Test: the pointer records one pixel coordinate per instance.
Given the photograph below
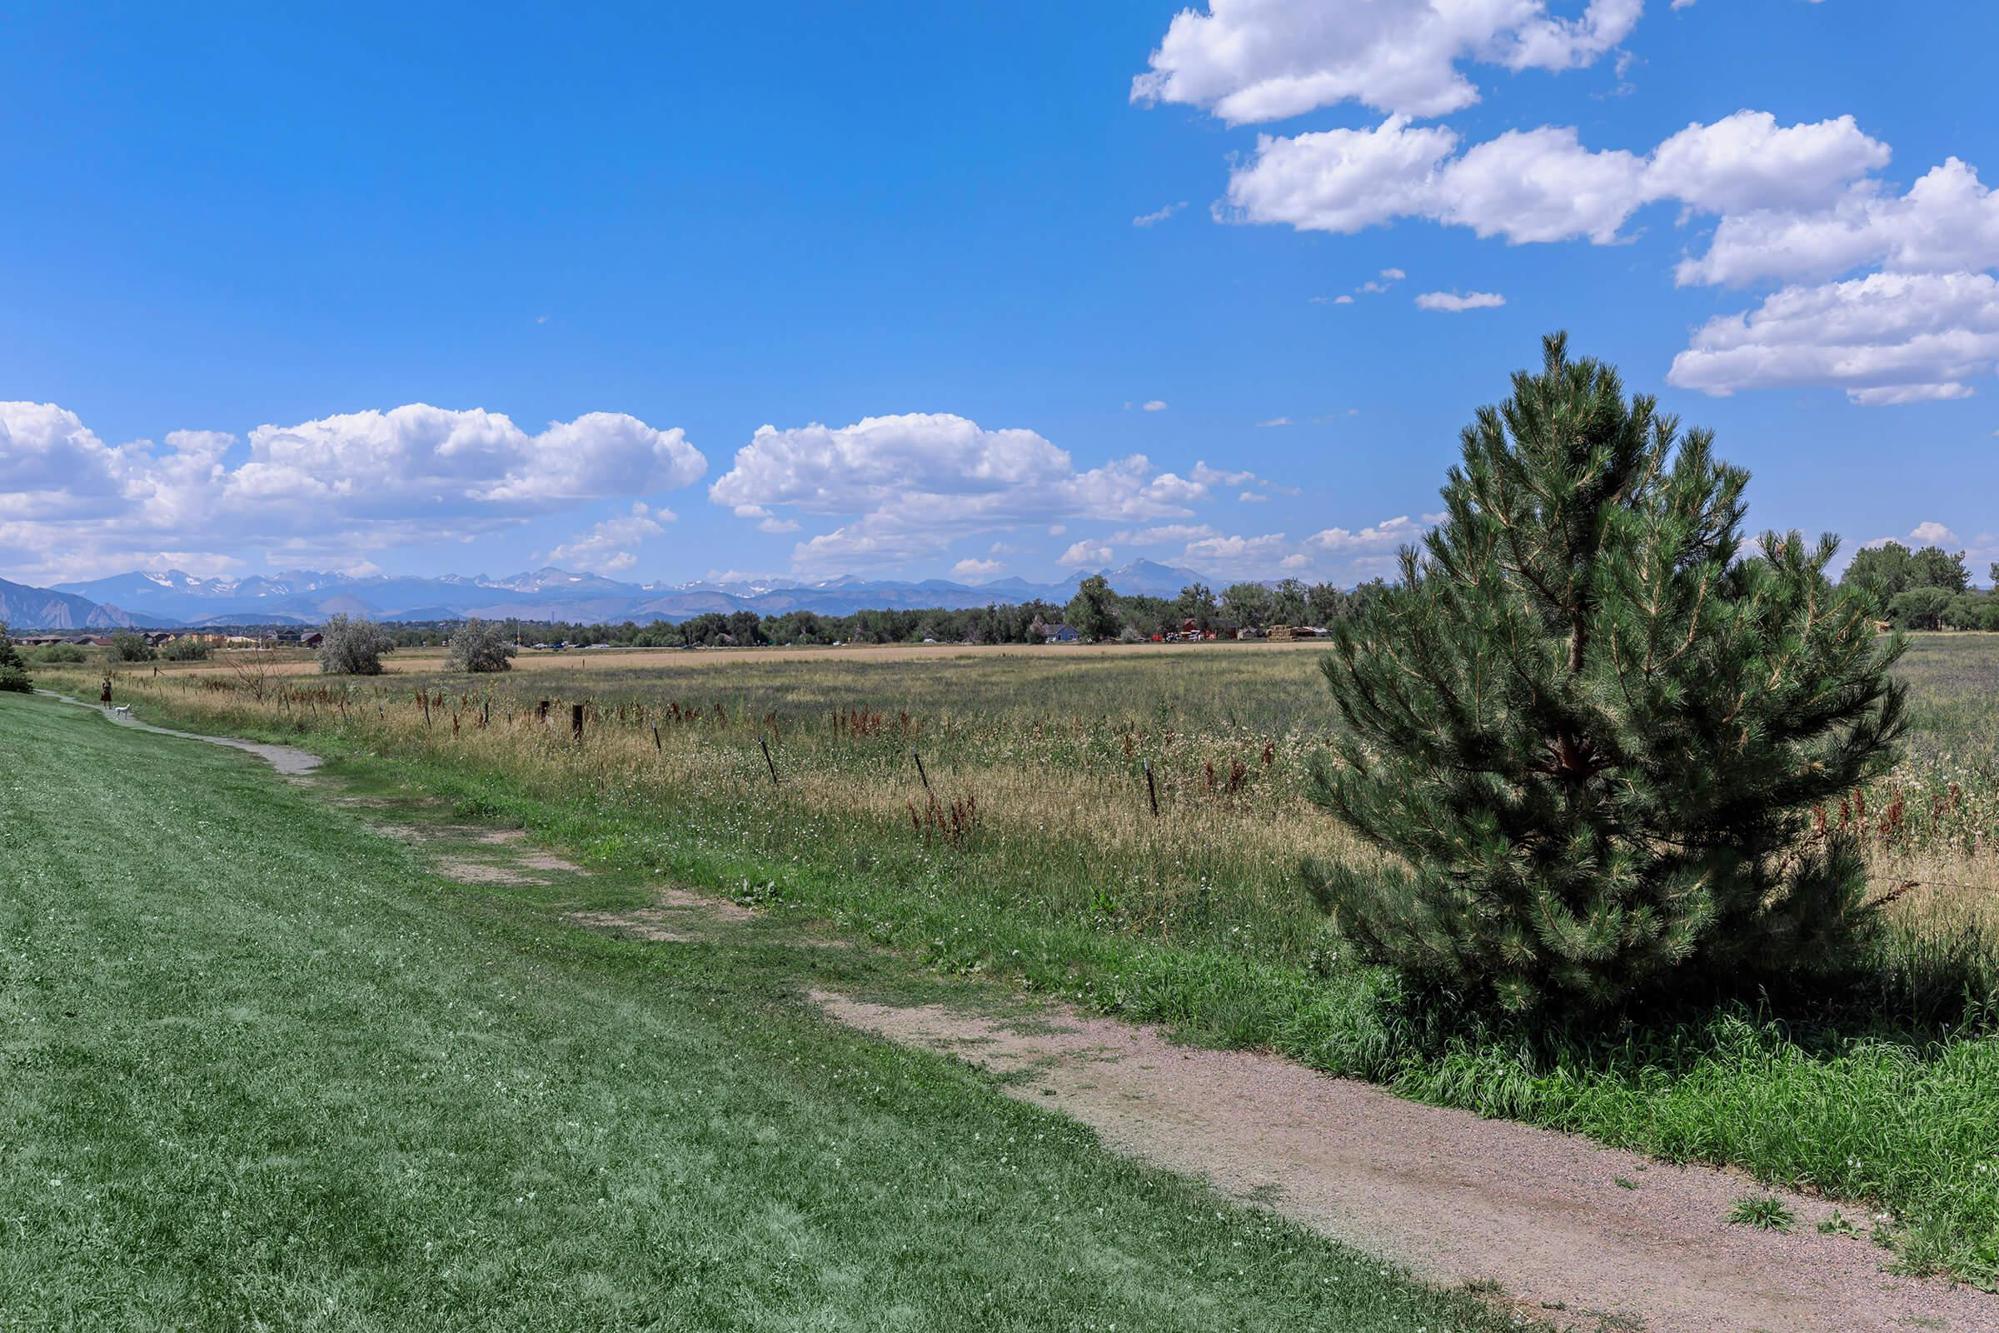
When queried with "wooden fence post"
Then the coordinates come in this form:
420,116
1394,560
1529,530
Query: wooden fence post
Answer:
1151,789
919,767
576,722
768,761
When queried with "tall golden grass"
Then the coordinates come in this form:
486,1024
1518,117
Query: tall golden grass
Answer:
1048,746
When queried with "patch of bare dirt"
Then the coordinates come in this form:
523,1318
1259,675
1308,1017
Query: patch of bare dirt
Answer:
674,918
482,872
719,908
1585,1233
423,833
647,923
516,862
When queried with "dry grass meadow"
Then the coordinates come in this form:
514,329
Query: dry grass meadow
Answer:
1038,749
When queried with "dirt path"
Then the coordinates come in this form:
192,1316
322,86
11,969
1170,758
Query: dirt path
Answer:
287,759
1575,1232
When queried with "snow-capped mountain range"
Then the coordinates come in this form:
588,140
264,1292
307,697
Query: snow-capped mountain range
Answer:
168,598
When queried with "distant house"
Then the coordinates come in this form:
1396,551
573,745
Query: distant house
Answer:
1040,631
312,640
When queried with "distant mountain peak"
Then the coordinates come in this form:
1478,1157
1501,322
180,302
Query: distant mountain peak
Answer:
25,608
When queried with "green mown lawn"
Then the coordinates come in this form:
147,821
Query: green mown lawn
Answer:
261,1069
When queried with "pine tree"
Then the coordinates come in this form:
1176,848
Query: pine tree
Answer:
1590,730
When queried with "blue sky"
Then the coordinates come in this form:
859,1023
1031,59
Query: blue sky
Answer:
906,237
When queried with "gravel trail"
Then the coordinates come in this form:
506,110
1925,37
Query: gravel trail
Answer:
287,759
1572,1231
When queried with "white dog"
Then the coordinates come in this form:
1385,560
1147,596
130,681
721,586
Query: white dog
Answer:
123,710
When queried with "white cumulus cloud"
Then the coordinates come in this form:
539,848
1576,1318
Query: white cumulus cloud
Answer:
325,488
1085,554
1796,206
1454,302
1948,221
1886,338
1387,535
610,547
1261,60
418,459
1749,161
972,567
1247,556
1164,534
52,464
1542,185
905,487
1342,180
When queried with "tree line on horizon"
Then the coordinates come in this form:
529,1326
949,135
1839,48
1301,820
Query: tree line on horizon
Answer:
1096,612
1926,588
1922,588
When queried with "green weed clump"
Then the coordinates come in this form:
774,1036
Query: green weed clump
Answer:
1762,1212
